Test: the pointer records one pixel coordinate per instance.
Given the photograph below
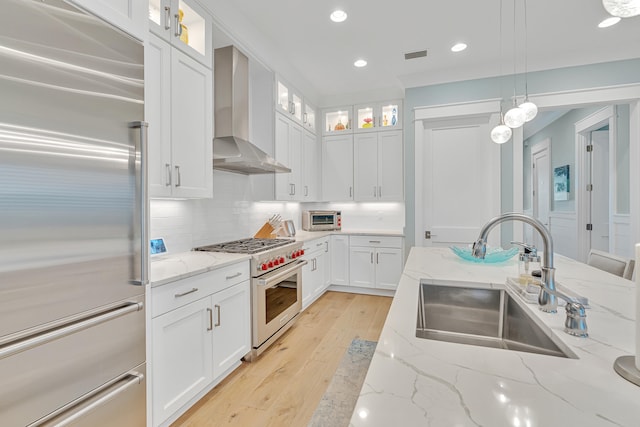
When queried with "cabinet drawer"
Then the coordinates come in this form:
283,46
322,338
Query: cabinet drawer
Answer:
176,294
315,245
376,241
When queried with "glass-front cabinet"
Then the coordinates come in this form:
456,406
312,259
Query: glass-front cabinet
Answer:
378,116
336,120
289,101
309,118
186,25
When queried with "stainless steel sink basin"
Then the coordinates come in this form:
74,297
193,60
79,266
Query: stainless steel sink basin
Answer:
482,317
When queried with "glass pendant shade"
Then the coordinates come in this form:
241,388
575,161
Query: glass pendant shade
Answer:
622,8
530,110
514,118
500,134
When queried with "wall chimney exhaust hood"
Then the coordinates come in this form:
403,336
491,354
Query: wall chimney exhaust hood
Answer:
232,150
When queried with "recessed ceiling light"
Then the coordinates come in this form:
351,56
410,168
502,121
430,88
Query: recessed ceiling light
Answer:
338,15
458,47
609,22
360,63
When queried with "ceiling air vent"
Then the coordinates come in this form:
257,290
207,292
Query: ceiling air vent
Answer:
416,54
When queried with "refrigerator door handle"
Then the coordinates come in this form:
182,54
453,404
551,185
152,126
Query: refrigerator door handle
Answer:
42,337
75,410
143,201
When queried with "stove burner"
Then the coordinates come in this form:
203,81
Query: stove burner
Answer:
245,246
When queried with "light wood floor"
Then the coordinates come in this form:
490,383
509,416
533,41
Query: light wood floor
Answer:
284,385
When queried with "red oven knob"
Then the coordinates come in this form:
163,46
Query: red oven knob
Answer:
263,266
281,260
276,261
301,251
293,255
270,264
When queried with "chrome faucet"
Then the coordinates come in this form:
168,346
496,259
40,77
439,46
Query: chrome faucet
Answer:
547,300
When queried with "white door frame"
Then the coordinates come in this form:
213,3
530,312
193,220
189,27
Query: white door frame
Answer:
442,116
542,146
621,94
583,127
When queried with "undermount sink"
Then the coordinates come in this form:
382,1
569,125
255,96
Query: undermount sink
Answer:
481,317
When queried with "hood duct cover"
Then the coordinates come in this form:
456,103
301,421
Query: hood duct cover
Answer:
232,150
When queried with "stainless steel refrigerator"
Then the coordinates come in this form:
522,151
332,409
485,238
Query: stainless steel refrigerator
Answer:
73,221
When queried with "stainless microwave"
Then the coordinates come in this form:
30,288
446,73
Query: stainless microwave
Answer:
321,220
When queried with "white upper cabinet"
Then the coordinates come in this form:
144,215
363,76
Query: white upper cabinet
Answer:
337,168
128,15
178,107
337,120
378,167
377,116
288,151
186,25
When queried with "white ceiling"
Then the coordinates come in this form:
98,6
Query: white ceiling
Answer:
560,33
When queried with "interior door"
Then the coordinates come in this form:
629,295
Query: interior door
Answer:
461,184
599,195
541,180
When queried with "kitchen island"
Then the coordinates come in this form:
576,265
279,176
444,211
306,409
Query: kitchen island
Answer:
419,382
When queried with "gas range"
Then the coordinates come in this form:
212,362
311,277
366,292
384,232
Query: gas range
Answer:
266,254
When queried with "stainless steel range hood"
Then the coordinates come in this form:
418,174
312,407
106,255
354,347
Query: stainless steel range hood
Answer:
232,150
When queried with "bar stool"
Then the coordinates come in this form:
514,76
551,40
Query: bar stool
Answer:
614,264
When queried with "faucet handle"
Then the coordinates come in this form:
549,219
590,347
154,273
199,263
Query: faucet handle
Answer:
528,248
576,322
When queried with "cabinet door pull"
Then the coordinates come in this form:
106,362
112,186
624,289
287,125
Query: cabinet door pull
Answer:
350,191
371,253
217,307
238,274
178,177
380,191
304,118
375,191
178,31
319,244
306,190
210,328
167,17
374,241
377,258
168,170
186,292
326,249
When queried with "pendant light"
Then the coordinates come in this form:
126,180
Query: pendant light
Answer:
514,118
501,133
530,109
622,8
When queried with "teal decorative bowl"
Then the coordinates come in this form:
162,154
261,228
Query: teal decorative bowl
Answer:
493,255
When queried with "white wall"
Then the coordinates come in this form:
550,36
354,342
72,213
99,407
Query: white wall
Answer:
232,214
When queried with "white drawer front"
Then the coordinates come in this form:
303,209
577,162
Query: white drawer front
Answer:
376,241
176,294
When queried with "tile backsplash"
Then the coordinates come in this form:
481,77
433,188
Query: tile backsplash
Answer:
185,224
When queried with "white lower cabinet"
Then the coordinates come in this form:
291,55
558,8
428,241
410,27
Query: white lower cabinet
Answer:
231,326
316,274
182,355
375,261
339,259
201,328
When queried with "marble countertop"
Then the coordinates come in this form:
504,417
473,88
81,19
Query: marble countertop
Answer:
172,267
418,382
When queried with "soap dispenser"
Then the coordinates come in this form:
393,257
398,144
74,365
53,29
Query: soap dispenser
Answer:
528,262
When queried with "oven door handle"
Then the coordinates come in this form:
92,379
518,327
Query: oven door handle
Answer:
269,282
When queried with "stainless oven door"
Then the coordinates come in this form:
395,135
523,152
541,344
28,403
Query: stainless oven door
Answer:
277,298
